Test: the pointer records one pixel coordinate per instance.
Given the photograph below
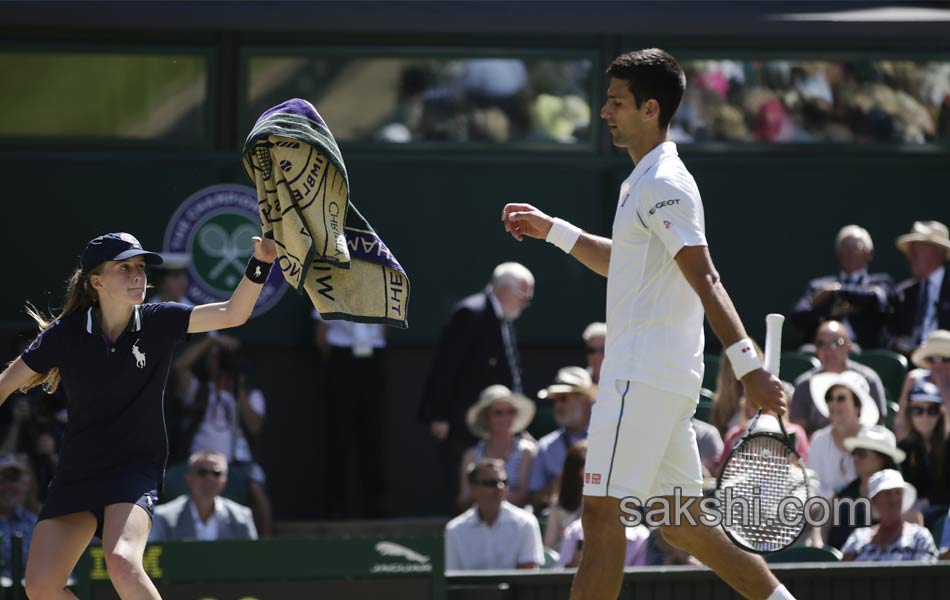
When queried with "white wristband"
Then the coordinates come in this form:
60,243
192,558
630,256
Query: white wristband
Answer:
743,357
563,235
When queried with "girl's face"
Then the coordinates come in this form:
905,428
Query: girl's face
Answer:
121,282
924,416
500,417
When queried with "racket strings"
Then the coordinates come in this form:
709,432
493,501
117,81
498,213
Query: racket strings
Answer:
763,472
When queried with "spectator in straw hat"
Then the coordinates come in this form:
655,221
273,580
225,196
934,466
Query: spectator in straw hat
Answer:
923,301
572,394
892,538
932,359
872,450
499,418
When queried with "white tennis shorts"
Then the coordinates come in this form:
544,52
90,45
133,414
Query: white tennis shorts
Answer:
641,443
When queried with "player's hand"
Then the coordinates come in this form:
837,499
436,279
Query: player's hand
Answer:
765,391
265,250
440,430
525,220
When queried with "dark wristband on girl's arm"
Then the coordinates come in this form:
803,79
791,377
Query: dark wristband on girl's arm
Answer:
257,270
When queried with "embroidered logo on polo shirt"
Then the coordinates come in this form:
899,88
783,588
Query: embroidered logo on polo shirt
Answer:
138,354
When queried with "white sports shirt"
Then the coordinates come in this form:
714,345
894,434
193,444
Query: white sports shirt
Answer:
654,318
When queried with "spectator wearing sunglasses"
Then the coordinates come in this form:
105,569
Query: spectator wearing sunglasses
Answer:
595,338
873,449
927,463
493,534
833,347
203,514
932,358
844,400
858,299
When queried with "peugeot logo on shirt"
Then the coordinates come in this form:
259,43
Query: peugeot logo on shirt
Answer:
660,205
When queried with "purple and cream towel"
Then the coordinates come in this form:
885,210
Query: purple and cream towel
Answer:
325,246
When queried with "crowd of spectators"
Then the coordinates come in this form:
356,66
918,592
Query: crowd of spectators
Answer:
798,101
520,497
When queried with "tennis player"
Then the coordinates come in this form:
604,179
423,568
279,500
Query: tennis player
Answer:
112,354
660,278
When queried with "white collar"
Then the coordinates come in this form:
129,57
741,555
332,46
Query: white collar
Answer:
936,280
652,157
496,305
861,274
197,518
93,323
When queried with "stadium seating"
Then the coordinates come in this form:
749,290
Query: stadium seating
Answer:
236,488
550,558
796,363
890,366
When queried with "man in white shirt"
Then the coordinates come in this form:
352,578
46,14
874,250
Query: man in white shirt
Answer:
660,279
493,534
203,514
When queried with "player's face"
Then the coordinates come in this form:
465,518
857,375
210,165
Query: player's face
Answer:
626,122
122,281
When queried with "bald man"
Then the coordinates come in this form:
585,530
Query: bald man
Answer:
833,346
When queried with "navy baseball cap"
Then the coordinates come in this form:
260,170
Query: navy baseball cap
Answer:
114,246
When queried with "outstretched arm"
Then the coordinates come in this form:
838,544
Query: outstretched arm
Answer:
762,389
237,310
523,220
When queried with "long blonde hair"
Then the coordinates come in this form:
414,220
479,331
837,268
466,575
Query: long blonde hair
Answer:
79,297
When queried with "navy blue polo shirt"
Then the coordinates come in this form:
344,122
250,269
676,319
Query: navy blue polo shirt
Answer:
114,390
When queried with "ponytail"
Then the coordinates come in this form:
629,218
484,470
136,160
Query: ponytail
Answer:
79,297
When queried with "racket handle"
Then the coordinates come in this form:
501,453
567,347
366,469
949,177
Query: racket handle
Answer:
773,342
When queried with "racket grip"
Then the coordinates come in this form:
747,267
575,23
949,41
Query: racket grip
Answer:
773,342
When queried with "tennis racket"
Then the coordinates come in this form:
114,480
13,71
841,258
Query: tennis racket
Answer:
763,484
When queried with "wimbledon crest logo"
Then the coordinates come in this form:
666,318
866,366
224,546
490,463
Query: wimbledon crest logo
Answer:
214,227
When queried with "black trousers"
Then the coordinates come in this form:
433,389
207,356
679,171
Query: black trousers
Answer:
354,400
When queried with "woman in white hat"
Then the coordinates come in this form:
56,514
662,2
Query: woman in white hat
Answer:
843,399
872,450
500,417
932,359
926,447
892,538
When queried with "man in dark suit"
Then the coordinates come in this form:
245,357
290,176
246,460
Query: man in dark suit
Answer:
856,298
923,301
477,349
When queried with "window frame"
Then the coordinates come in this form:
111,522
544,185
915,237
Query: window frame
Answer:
589,146
204,141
